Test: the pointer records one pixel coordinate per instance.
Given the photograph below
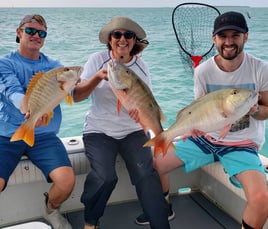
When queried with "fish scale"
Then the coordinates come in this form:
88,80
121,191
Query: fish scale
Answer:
134,94
45,91
217,110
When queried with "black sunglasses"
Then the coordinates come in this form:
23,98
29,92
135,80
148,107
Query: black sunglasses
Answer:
127,34
32,31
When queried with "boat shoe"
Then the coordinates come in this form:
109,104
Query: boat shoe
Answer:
55,218
142,219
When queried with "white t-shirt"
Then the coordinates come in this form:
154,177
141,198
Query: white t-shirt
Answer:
252,74
102,116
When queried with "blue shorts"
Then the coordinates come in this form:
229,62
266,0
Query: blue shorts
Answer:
199,152
48,153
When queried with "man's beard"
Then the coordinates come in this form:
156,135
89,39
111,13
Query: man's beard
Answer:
233,56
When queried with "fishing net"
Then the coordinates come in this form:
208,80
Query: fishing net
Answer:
193,25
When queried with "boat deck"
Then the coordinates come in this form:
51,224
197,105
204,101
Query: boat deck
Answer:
192,211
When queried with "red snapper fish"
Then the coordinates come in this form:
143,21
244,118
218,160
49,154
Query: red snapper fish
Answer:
132,93
217,110
45,91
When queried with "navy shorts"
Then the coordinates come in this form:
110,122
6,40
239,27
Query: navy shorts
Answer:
199,152
48,153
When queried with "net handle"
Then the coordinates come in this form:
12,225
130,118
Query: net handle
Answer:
176,34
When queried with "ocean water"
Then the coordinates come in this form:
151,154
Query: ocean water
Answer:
73,36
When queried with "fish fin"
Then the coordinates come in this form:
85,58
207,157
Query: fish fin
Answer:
24,104
225,131
119,106
25,133
49,117
69,99
160,145
33,81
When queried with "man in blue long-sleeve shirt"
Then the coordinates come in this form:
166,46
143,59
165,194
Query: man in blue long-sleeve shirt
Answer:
48,152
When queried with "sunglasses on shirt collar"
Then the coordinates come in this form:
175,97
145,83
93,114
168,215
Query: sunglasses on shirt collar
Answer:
127,34
32,31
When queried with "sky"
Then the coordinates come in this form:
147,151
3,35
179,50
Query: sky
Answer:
125,3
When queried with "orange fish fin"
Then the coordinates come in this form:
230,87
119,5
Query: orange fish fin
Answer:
160,145
69,99
119,106
225,131
168,147
33,81
49,117
149,143
24,133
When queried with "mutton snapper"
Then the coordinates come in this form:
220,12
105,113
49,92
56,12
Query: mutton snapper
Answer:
132,93
45,91
214,111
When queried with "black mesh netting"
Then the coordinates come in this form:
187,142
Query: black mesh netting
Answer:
193,26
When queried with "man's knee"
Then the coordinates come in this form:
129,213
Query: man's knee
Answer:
63,177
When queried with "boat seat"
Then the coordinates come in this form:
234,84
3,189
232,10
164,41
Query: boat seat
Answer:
216,170
26,172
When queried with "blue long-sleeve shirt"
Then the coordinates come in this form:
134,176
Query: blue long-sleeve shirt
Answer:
15,74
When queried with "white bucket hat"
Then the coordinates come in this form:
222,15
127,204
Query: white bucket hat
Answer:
120,22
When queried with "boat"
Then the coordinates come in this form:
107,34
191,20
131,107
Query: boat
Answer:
205,196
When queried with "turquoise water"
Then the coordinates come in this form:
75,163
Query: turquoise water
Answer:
73,36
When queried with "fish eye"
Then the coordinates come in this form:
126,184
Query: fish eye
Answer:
234,92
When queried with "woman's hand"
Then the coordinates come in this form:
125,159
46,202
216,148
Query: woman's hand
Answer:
102,74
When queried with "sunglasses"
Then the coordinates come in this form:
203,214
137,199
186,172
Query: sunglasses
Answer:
32,31
127,34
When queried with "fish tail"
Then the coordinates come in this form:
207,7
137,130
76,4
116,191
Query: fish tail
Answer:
24,133
160,145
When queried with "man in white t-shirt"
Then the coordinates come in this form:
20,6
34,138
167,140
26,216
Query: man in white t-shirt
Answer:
232,67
